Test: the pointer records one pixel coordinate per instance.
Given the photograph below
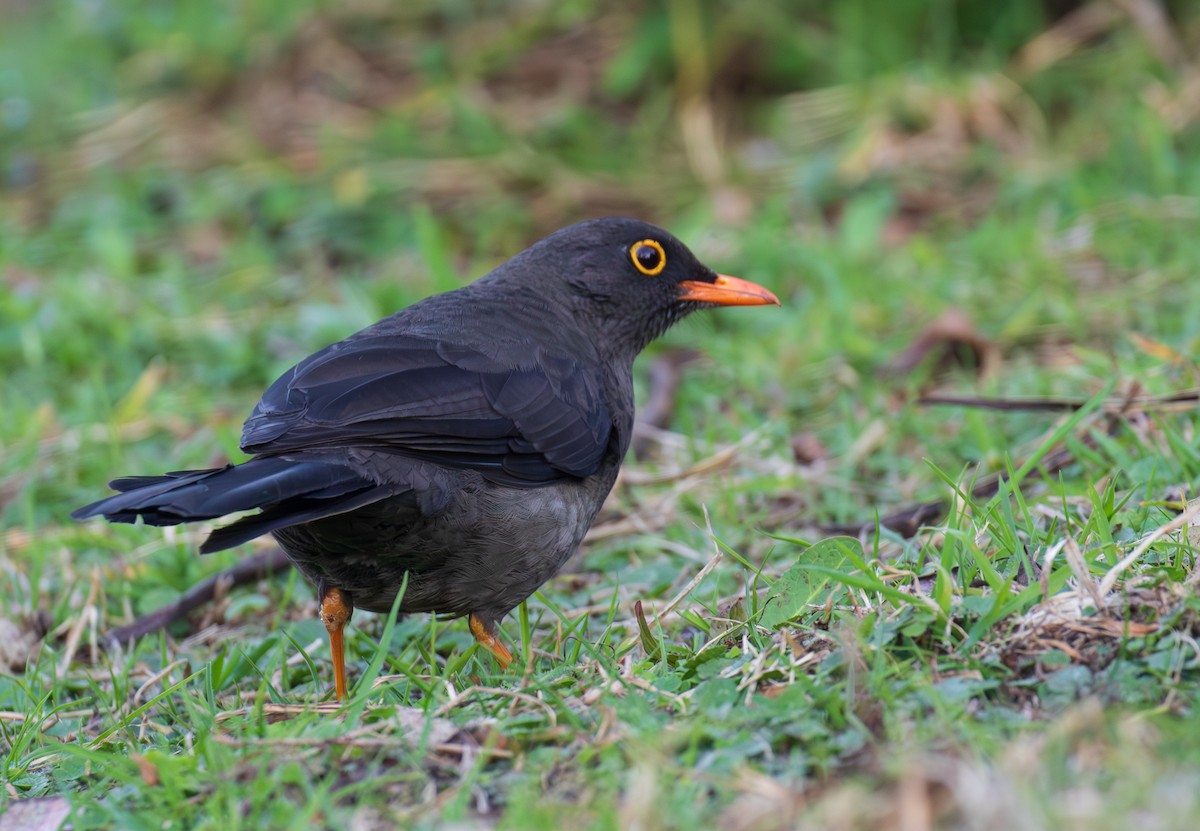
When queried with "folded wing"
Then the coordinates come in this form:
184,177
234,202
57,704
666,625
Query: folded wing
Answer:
524,425
350,426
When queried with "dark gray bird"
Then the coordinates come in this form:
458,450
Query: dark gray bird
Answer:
465,442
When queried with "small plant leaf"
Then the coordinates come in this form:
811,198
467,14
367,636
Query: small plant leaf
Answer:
801,587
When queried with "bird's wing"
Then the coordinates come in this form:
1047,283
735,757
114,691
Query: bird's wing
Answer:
440,402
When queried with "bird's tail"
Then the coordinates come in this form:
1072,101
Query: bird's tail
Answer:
287,492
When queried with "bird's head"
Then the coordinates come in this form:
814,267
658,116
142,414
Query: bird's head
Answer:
626,279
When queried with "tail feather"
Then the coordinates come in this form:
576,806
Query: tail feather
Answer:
291,513
151,497
287,492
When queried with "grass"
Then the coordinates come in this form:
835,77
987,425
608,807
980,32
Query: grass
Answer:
195,199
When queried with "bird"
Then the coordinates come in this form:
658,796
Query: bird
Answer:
455,453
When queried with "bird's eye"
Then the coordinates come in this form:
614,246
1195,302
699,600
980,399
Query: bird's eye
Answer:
648,257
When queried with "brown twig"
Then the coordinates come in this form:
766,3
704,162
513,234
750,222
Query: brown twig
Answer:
1186,399
908,521
250,570
1021,405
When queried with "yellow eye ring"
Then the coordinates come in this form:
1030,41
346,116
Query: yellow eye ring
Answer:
648,257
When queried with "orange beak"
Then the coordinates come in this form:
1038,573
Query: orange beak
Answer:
727,291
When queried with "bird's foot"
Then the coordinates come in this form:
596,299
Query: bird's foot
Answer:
486,637
336,609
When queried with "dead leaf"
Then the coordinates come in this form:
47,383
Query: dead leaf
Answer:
18,639
808,449
949,340
147,769
1159,350
35,814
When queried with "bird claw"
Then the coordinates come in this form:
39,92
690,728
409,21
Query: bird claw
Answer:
336,609
487,639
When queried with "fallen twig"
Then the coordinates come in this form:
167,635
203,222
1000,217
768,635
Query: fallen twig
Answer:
250,570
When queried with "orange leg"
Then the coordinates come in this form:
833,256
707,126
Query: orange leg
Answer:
336,609
488,640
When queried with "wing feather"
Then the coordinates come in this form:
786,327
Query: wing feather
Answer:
532,423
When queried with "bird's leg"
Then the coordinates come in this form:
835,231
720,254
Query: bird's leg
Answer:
336,609
482,630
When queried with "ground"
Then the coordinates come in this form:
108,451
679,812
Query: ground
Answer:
913,551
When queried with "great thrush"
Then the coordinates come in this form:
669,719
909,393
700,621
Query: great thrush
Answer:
460,447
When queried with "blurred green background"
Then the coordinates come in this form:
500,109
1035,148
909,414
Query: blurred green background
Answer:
214,189
195,195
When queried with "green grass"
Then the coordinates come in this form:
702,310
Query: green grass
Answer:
193,200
